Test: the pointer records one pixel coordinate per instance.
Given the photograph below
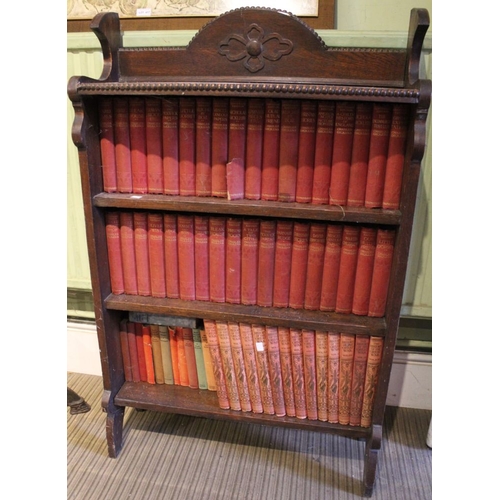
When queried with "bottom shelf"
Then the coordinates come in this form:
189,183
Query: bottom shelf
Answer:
203,403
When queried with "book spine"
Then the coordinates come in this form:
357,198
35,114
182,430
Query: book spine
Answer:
286,370
134,356
156,247
107,143
375,351
289,150
174,352
235,179
300,248
220,132
141,355
171,256
127,364
239,366
157,355
307,142
237,129
283,261
346,360
384,252
263,374
154,139
122,145
148,353
202,277
310,385
128,252
142,253
207,360
217,258
360,154
333,376
270,149
315,263
266,259
114,252
233,260
379,142
276,379
200,363
323,152
187,141
181,357
249,260
342,148
166,356
188,337
185,243
253,149
250,362
222,329
358,378
395,156
364,271
322,374
170,139
298,373
331,267
347,269
203,183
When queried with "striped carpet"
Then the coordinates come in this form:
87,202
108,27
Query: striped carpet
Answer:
186,458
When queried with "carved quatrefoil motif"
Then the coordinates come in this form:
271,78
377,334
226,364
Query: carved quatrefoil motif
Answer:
255,47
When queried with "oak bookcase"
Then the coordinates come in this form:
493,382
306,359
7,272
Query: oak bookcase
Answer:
305,69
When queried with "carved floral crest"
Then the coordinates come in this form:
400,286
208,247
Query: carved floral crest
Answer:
254,47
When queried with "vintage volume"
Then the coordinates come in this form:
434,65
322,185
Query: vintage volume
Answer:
342,148
395,157
364,270
333,376
253,149
127,364
375,350
187,334
270,149
170,138
222,330
202,278
207,360
379,142
114,252
358,378
217,258
235,179
273,355
220,129
181,357
265,274
107,143
322,374
154,150
347,342
309,348
384,251
148,353
298,373
283,261
187,141
249,260
239,366
141,355
260,347
128,252
300,247
173,333
233,260
237,142
122,145
203,183
156,246
315,263
166,356
307,143
142,253
323,152
132,348
157,355
171,255
200,363
250,361
187,287
331,267
286,369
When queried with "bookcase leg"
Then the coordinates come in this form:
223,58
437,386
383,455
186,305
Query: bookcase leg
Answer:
371,458
114,425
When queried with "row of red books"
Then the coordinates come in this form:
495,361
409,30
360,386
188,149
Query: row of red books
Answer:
172,355
319,152
250,261
281,371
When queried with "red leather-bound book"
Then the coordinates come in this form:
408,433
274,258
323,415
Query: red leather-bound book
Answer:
347,269
250,361
217,258
138,157
273,357
342,149
283,262
286,370
379,143
237,129
185,245
202,277
360,153
358,378
220,132
323,152
181,356
331,266
375,352
134,356
154,140
233,260
309,349
346,360
253,149
307,144
270,149
128,253
289,150
107,142
170,146
249,260
266,392
142,253
114,252
173,333
141,355
322,374
395,156
127,365
122,145
298,373
384,252
315,264
235,179
171,255
228,364
333,376
156,246
298,272
203,183
187,334
364,270
187,141
239,366
266,260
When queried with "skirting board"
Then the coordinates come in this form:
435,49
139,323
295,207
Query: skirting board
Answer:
410,385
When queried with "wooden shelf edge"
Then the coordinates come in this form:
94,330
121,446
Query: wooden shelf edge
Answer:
294,318
204,403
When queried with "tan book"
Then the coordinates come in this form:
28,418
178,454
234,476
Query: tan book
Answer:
358,378
226,355
333,376
375,351
273,357
266,392
309,349
286,370
239,366
322,374
298,373
347,342
250,361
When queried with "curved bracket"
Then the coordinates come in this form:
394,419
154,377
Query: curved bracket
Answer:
419,23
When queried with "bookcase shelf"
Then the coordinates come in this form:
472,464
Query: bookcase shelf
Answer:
255,55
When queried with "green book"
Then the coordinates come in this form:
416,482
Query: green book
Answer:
166,356
200,363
